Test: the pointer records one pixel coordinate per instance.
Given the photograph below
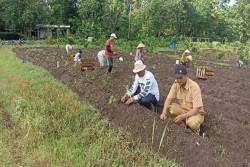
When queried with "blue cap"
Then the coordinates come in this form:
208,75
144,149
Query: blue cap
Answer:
179,71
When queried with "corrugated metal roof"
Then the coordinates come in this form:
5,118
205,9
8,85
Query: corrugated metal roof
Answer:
52,26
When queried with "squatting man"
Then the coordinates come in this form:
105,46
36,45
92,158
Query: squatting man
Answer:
189,112
144,88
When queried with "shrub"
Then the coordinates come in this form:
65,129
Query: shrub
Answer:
220,55
206,54
196,50
11,36
236,44
243,53
218,44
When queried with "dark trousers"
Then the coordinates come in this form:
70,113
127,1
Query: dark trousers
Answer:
109,64
147,100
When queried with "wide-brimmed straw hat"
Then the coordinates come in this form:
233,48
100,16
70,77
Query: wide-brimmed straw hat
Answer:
190,58
141,46
139,66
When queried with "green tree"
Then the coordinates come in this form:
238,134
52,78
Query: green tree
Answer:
62,11
2,22
25,14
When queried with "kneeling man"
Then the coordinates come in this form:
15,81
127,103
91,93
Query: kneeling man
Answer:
189,112
144,89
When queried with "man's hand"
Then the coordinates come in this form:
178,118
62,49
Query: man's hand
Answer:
179,118
123,99
130,100
163,116
114,53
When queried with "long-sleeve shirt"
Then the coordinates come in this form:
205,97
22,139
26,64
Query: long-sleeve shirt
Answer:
68,47
138,55
77,57
147,83
109,48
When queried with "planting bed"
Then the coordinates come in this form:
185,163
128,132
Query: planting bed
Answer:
226,101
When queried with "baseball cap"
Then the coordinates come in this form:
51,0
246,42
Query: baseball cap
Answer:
179,71
113,35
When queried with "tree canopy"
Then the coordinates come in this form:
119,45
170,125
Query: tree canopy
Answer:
139,18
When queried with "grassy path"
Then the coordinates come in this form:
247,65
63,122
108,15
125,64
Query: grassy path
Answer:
44,124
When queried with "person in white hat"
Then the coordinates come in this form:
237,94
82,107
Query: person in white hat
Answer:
144,88
140,52
109,53
184,59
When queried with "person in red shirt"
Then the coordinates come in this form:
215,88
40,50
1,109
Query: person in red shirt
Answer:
109,53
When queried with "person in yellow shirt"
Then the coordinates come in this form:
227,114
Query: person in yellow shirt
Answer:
189,112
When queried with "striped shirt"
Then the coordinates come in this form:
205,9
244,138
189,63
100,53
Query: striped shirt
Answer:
147,83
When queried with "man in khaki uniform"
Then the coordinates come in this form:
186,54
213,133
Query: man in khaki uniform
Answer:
190,110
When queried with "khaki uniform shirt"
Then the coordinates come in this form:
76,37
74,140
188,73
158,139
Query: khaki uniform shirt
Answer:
189,96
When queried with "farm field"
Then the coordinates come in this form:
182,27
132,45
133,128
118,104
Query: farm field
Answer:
226,102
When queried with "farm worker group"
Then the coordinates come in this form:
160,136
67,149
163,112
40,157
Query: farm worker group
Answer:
144,89
189,112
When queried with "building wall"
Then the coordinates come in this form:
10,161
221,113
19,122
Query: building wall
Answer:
43,33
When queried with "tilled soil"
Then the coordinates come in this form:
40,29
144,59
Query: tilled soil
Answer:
226,100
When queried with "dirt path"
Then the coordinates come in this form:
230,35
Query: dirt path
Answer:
226,103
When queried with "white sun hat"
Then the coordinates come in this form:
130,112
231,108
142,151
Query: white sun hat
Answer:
113,35
139,66
187,51
141,46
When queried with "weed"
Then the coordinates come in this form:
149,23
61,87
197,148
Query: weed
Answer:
206,54
163,134
104,83
112,99
217,130
220,55
153,132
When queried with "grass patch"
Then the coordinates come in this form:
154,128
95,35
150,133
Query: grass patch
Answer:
51,127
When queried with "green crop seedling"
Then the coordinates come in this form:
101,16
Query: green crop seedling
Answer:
112,99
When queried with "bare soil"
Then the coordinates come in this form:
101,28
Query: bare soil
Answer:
226,100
